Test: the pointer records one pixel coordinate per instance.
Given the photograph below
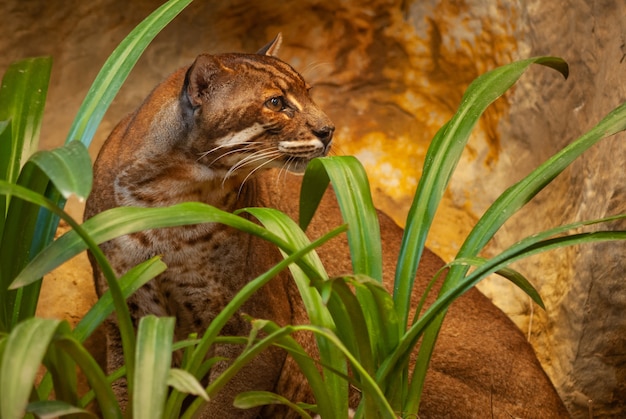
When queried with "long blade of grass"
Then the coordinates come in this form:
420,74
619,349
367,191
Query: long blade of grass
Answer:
130,282
520,251
22,99
441,159
124,321
352,328
6,138
116,69
107,403
126,220
530,246
513,199
24,350
15,249
519,194
306,364
511,274
352,191
351,186
82,239
97,101
244,358
63,371
273,335
69,169
252,399
90,114
369,384
210,335
153,357
52,409
284,227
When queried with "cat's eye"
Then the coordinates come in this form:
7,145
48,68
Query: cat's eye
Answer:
276,103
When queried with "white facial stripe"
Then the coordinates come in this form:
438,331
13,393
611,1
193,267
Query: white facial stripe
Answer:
309,147
301,143
295,103
240,137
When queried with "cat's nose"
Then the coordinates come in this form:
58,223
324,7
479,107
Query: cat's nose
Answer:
325,134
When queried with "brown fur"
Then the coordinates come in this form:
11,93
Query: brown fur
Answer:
166,153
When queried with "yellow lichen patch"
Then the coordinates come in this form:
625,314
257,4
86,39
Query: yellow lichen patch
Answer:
418,71
393,164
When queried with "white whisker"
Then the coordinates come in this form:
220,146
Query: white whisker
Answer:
253,158
254,170
311,69
285,169
246,146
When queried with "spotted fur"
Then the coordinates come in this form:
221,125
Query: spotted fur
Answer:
224,131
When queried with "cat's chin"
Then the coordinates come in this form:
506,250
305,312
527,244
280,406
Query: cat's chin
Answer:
298,169
295,165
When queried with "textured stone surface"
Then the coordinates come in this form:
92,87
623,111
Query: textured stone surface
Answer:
582,337
389,73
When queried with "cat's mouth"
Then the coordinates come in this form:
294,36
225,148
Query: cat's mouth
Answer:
303,148
298,154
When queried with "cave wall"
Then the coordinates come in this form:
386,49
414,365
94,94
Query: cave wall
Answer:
390,73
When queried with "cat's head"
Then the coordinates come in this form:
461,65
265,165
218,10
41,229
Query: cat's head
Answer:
252,111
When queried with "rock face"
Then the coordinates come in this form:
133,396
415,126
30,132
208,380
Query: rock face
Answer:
390,73
581,338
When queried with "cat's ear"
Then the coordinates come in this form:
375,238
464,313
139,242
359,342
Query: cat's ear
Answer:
203,78
272,48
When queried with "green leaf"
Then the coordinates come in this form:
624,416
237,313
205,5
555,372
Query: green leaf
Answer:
252,399
284,227
23,354
6,138
185,382
510,202
63,371
368,383
19,236
117,222
352,190
441,160
130,282
527,247
372,296
516,196
511,274
50,409
22,100
153,358
196,360
116,69
68,167
107,403
307,365
353,329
